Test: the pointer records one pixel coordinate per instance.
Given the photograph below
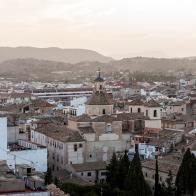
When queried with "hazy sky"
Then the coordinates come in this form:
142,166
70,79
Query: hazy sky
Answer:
118,28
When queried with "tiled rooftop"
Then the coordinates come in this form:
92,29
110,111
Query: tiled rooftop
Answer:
99,98
61,133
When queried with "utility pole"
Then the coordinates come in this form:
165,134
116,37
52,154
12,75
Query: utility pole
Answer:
157,186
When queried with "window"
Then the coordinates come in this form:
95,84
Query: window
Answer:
155,113
139,110
82,174
90,155
109,128
28,171
103,173
75,147
80,145
131,110
103,111
182,109
21,130
89,174
146,174
146,112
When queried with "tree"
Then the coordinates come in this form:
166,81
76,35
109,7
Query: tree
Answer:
170,188
135,184
48,176
57,182
157,187
90,194
123,169
185,179
193,175
112,172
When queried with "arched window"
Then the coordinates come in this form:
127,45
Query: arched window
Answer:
103,111
109,128
155,113
146,112
139,110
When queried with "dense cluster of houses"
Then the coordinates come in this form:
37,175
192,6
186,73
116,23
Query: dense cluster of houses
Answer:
37,134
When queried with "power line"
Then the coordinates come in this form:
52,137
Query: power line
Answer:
33,164
8,152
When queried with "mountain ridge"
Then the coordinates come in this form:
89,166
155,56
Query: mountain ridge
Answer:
36,69
66,55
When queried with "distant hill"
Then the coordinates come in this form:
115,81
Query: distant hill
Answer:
34,69
155,64
52,54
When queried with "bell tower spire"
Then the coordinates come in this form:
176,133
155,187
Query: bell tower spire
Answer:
99,82
99,72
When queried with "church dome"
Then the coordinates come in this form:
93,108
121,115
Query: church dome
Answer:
99,98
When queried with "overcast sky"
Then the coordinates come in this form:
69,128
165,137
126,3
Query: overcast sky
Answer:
118,28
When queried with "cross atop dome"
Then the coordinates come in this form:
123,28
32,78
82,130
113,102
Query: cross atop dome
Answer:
99,78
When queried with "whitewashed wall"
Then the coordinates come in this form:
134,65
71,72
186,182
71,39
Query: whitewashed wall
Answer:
39,138
36,158
108,137
79,104
153,124
3,138
75,157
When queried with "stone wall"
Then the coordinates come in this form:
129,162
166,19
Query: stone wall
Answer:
97,110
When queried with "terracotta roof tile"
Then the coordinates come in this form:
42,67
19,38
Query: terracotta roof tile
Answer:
136,102
99,98
81,118
61,133
152,103
86,130
164,166
105,118
40,103
89,166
